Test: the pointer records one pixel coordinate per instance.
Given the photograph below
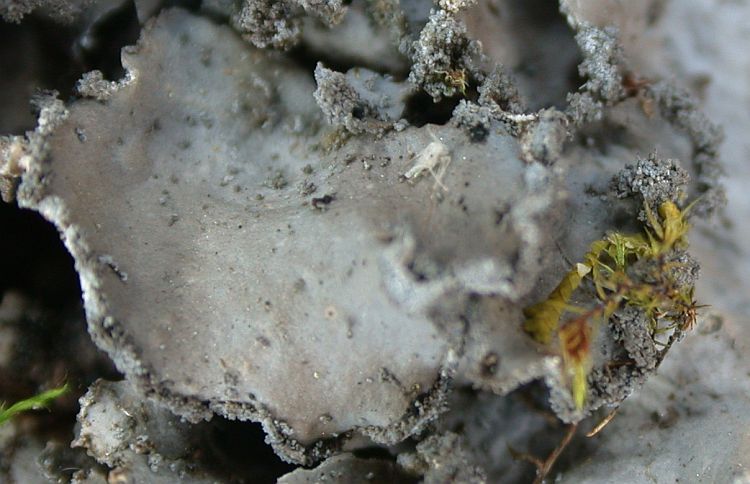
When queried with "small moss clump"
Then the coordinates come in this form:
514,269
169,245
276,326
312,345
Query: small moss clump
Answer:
636,271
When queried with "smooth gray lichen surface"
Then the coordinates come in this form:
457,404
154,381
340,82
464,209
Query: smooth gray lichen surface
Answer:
370,261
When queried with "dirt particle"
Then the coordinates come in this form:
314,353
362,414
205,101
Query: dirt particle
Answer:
330,312
307,188
711,324
325,418
299,285
81,134
478,133
490,363
277,181
109,261
321,203
665,419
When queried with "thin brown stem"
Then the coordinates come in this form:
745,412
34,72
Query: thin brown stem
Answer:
552,458
525,456
598,428
543,467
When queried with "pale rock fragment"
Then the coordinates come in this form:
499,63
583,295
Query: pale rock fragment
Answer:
443,458
346,469
136,438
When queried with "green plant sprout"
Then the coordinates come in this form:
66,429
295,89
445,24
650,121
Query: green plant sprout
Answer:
36,402
609,265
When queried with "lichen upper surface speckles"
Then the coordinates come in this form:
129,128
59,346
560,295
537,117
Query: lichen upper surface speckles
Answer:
313,313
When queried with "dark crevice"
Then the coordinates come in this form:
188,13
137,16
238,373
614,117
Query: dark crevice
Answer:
307,59
102,39
374,453
189,5
34,56
50,342
421,109
606,136
34,260
58,70
52,348
546,74
238,452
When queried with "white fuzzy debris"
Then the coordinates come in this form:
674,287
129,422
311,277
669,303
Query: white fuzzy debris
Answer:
435,159
455,6
519,118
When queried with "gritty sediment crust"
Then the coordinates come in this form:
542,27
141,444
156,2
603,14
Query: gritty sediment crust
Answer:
444,58
343,106
278,23
18,152
63,11
268,23
442,458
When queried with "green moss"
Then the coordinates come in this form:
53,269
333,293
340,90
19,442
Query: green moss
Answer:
36,402
611,266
